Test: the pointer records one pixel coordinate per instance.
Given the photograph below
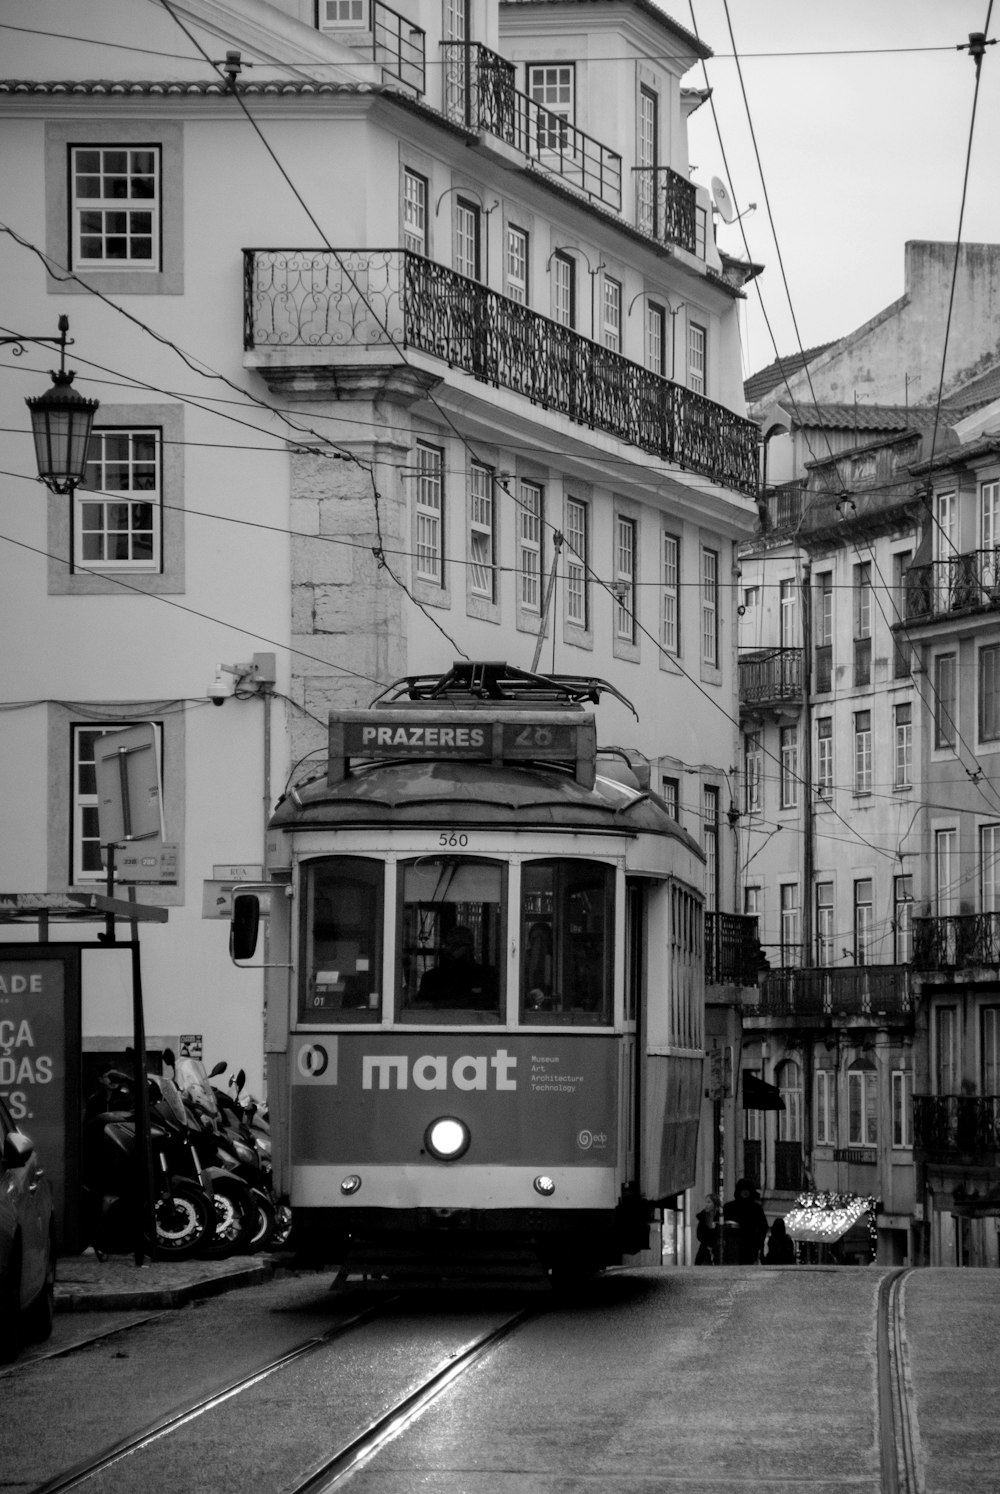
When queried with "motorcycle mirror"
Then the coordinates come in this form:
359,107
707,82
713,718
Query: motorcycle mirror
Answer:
241,1079
169,1058
218,1068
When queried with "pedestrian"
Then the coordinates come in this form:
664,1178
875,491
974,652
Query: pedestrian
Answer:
707,1232
745,1242
780,1246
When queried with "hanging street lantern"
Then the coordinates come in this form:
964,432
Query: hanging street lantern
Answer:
61,421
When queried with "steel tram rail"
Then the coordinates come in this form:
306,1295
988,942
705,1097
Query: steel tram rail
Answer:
897,1437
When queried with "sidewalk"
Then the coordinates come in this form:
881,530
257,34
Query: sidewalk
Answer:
84,1283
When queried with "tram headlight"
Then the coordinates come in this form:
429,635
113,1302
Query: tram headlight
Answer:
447,1138
545,1186
350,1184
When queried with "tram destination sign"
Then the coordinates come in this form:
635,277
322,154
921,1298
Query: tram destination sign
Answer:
482,736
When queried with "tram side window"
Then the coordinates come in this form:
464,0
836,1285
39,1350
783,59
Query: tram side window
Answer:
451,939
567,921
342,940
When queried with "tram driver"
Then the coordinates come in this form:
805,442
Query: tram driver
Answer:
459,980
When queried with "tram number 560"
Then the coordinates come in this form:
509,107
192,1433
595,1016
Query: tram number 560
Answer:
449,838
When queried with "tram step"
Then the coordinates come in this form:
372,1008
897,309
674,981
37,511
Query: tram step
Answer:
396,1268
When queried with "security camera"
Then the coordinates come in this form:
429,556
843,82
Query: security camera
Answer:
220,689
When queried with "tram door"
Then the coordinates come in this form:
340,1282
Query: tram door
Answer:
635,962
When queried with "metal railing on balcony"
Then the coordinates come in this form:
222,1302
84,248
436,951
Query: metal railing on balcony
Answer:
665,206
782,507
956,1125
732,949
959,583
770,676
397,45
813,991
479,93
377,298
957,941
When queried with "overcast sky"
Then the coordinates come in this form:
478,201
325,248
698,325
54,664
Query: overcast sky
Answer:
861,148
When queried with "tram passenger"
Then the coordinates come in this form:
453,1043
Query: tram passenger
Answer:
459,980
538,968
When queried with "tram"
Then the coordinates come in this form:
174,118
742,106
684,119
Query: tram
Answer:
484,987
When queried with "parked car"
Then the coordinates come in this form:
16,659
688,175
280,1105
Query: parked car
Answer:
27,1242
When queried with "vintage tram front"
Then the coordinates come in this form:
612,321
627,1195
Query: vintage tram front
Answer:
484,989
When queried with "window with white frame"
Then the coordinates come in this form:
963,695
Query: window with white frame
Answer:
625,562
656,338
577,560
453,20
611,321
709,606
902,919
825,951
989,692
862,752
335,13
529,545
117,512
788,744
862,1107
516,264
752,901
647,147
791,951
430,514
710,827
753,772
824,757
902,725
700,230
788,603
989,1050
670,790
789,1077
864,920
115,196
825,1107
670,597
945,884
989,522
552,86
989,868
563,290
466,226
945,699
414,211
697,358
482,536
947,1055
902,1107
863,600
85,863
823,624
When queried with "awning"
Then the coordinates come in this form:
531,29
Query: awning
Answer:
757,1095
825,1220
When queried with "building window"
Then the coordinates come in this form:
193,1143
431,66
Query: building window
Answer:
563,290
656,338
902,721
824,631
789,1077
86,865
670,600
343,13
700,231
947,1061
611,322
753,772
989,1049
697,358
430,514
647,156
902,919
788,739
902,1107
466,238
709,607
989,693
862,752
577,562
115,205
670,794
710,813
117,509
791,952
824,924
824,757
945,699
826,1113
517,264
863,921
945,888
529,545
414,212
862,1107
789,614
482,535
551,86
989,868
625,559
863,623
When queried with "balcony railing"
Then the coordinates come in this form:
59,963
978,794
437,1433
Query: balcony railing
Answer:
782,507
956,1125
732,949
378,298
665,206
770,676
396,44
857,991
479,93
958,941
959,583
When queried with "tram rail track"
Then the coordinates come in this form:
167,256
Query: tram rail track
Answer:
897,1430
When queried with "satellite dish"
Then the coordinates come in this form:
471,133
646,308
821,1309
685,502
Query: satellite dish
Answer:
724,204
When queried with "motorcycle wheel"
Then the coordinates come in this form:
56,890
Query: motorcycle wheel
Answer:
265,1222
183,1220
283,1226
235,1218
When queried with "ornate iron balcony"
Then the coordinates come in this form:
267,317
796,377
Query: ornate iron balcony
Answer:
732,949
956,1125
770,676
391,298
665,206
959,583
959,941
856,991
479,93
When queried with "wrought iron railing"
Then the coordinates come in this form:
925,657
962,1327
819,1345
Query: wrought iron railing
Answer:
782,507
956,941
812,991
770,676
354,298
966,1125
959,583
665,206
732,949
479,93
397,45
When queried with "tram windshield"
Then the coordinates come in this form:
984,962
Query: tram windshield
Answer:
451,940
566,930
342,938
